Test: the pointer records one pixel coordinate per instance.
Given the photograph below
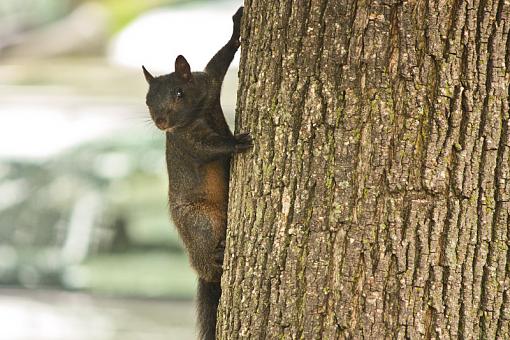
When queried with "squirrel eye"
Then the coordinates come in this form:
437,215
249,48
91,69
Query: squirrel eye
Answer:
179,93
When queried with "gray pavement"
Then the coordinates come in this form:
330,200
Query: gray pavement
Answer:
57,315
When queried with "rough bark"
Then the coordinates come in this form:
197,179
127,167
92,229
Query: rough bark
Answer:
376,201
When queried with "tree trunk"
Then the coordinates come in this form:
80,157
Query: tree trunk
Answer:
376,201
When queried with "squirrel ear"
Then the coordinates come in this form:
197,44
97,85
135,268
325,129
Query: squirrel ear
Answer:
147,75
182,68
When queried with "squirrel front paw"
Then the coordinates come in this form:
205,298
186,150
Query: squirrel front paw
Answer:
243,142
236,18
219,254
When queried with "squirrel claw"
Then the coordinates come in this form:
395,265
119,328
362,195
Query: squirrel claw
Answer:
243,142
219,253
236,18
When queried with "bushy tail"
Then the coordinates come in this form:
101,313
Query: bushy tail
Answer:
208,298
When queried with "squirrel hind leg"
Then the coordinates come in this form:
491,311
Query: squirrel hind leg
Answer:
208,298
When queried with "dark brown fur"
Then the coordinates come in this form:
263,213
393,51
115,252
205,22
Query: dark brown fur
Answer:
199,146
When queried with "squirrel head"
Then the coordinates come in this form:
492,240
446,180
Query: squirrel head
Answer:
174,99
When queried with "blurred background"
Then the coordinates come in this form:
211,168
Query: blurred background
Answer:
87,250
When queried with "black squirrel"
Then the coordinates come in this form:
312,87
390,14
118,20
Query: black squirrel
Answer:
199,146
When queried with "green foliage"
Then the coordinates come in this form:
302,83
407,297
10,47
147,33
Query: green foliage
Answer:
131,231
154,273
123,11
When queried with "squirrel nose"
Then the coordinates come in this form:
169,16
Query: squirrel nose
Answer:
161,123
